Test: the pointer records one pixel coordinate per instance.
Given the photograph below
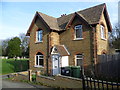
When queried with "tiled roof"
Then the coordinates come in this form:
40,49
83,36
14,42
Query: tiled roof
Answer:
51,21
62,50
90,15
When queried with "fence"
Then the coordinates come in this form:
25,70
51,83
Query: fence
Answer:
108,66
89,83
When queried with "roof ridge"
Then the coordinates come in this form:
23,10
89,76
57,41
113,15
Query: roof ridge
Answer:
84,9
92,7
47,15
55,19
74,12
82,16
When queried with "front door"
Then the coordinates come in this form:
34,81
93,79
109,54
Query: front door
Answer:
56,64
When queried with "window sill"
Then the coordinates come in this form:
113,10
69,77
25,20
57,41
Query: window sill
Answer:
78,39
103,39
38,66
39,42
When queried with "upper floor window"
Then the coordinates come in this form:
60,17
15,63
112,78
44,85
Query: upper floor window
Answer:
78,32
102,28
39,59
79,59
39,35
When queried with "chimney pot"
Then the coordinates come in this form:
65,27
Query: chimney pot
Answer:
63,15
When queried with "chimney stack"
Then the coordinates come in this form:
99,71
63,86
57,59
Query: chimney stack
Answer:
63,15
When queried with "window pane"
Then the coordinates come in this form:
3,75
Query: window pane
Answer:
79,62
39,59
102,32
41,62
78,56
78,31
41,56
39,35
36,60
79,59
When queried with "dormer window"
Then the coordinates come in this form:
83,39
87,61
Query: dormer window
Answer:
102,29
39,35
78,32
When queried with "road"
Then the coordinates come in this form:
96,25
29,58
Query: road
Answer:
14,84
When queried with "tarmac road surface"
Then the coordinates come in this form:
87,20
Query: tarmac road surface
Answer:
11,84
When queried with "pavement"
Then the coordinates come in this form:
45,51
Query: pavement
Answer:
14,84
11,84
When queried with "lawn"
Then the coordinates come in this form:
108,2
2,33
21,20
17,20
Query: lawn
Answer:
11,66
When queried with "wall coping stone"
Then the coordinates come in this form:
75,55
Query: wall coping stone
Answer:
22,74
47,77
69,77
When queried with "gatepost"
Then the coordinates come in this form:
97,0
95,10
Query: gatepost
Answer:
30,75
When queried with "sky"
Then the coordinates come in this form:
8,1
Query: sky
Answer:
17,16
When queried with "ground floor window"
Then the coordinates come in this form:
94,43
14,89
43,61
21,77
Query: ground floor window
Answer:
79,59
39,59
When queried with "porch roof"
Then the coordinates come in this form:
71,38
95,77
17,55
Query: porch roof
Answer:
62,50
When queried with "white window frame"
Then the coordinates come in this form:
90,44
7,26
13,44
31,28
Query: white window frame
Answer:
38,33
80,28
102,29
39,58
78,58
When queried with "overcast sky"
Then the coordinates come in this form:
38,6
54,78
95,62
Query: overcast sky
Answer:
17,16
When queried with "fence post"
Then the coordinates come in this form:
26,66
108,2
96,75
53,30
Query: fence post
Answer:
83,80
37,73
30,75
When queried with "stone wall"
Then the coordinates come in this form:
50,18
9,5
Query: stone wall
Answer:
60,81
82,46
20,77
102,44
54,39
36,47
49,39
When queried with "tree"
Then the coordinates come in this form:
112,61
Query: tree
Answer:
0,49
116,43
14,47
115,37
4,45
24,44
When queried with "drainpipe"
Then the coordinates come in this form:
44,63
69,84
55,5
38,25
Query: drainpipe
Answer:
94,49
48,52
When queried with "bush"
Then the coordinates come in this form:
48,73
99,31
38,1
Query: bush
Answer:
33,77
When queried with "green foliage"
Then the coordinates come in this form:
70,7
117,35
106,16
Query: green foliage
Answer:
33,77
17,46
14,49
11,66
116,43
24,45
4,45
115,37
